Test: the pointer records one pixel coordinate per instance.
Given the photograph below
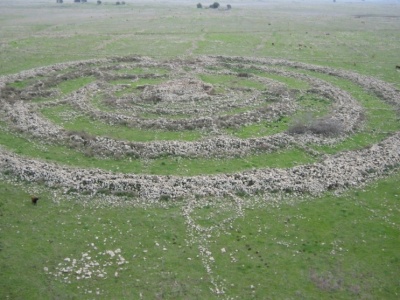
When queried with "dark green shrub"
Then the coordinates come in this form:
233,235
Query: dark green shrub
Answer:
165,198
214,5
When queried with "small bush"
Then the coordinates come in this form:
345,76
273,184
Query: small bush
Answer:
165,198
104,191
326,127
241,193
199,5
322,126
214,5
300,124
243,74
129,194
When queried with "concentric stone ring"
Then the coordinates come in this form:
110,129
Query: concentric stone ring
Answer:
212,95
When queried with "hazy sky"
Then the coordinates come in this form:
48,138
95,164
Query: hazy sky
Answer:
206,2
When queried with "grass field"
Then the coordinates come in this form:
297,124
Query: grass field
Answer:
114,245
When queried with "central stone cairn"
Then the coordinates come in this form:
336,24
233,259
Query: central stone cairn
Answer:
177,91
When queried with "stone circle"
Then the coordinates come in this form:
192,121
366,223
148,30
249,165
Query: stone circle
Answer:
209,94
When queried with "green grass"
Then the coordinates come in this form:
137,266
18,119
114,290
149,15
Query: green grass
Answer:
95,127
140,71
319,248
168,117
230,81
20,84
292,83
239,110
35,237
314,103
228,43
192,166
260,129
72,85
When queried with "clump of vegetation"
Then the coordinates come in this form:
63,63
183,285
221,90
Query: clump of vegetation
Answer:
306,123
214,5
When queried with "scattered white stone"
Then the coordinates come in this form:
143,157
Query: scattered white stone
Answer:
111,253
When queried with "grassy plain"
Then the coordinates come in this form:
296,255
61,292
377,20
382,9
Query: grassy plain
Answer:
329,247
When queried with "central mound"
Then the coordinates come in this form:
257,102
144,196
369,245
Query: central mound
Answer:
176,91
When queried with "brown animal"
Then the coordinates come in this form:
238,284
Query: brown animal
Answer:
34,200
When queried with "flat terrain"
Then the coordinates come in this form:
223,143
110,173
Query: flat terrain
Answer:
179,159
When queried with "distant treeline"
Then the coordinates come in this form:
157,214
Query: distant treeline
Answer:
215,5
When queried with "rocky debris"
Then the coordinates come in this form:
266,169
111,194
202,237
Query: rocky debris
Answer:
89,265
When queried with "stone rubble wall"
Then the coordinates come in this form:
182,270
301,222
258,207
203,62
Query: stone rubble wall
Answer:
348,169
